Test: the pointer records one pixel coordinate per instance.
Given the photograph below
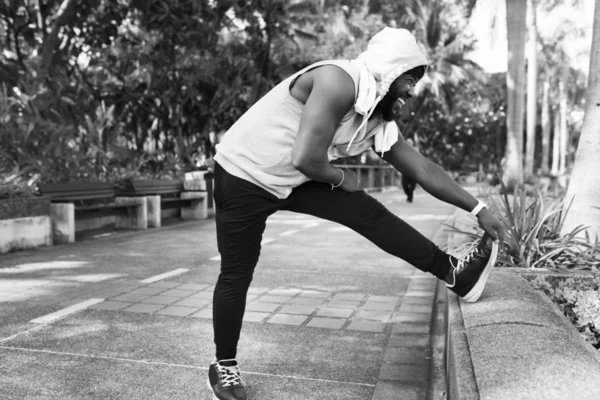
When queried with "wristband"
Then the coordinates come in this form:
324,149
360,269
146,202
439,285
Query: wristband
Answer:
480,206
339,184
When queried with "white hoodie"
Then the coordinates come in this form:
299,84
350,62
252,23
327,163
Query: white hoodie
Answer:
258,146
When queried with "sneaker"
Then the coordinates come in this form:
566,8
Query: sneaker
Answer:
471,272
224,380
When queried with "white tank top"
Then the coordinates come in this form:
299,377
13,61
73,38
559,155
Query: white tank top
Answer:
258,146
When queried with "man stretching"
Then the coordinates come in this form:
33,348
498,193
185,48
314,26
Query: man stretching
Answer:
278,156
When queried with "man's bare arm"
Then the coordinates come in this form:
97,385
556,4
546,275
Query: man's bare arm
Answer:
438,183
331,96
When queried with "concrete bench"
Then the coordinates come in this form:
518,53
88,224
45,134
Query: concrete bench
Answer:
165,194
71,201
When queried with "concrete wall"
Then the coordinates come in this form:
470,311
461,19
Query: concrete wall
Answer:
514,343
24,233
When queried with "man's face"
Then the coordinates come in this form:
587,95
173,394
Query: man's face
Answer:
400,91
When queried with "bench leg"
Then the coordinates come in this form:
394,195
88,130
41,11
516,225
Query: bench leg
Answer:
137,215
63,222
154,210
198,209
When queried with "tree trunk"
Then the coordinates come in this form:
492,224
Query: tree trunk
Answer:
564,132
556,143
516,29
64,13
532,71
584,187
546,126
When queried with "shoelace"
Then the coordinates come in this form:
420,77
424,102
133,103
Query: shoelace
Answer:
229,375
464,254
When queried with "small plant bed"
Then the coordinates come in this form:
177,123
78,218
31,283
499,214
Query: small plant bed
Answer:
578,298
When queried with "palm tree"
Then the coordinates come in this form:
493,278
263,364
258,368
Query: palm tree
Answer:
515,78
532,72
584,187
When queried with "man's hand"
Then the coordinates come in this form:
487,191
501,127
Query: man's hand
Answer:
350,182
491,225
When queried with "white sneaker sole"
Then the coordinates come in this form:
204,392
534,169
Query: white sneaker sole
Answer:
475,293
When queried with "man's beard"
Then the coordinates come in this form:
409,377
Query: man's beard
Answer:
386,107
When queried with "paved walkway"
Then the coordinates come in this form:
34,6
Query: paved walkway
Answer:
128,316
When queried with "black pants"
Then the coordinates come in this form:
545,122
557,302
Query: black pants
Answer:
242,209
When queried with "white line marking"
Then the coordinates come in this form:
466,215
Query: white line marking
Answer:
179,365
169,274
216,258
66,311
340,229
307,226
288,233
266,241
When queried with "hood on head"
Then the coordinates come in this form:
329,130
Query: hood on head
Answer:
390,53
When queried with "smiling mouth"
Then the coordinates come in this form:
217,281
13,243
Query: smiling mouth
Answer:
401,101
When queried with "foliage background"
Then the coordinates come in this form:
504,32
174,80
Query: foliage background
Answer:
101,89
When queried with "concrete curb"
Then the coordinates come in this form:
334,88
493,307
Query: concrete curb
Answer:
514,343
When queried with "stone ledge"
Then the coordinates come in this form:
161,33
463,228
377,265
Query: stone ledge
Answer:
514,343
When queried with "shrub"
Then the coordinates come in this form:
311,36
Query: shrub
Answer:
579,300
533,233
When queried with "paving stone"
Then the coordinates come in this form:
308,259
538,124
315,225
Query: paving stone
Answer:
252,316
132,298
386,390
328,323
425,301
306,301
370,305
405,373
408,340
384,299
415,308
374,316
106,293
284,292
193,286
192,302
206,313
178,293
274,299
177,311
263,307
366,326
161,299
166,285
287,319
335,312
315,294
110,305
402,355
257,290
343,303
148,290
411,318
202,295
420,293
349,296
298,309
412,328
70,302
144,308
128,282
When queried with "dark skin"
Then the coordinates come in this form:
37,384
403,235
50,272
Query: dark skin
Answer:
328,94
